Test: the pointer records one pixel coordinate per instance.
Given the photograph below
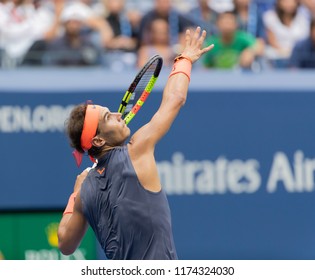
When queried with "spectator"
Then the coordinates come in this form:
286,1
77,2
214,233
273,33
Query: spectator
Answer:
20,25
309,6
303,54
183,6
52,10
158,44
120,51
285,25
132,5
248,14
92,27
178,23
232,48
124,36
204,16
2,16
73,48
221,6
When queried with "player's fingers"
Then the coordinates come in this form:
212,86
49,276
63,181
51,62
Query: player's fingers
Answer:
187,38
206,49
196,35
202,38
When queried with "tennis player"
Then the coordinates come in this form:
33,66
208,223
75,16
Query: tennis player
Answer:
122,198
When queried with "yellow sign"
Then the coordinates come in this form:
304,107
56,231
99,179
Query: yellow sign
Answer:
51,233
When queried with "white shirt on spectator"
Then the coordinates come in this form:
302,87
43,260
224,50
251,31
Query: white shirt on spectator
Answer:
286,36
20,27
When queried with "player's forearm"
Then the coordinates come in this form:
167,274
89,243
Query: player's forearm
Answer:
71,230
64,234
177,85
176,89
63,243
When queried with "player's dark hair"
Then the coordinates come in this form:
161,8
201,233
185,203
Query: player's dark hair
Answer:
74,127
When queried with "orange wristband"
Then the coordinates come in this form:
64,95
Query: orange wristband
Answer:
182,64
70,205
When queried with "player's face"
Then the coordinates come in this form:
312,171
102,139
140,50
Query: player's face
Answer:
112,127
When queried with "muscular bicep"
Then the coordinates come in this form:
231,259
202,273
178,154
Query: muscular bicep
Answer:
174,97
152,132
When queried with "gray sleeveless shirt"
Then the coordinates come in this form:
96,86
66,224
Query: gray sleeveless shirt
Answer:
129,221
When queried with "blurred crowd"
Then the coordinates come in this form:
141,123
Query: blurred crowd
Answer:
119,34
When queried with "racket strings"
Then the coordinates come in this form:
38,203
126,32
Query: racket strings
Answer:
146,82
140,88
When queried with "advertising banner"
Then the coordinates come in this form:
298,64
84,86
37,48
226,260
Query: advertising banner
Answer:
33,236
238,166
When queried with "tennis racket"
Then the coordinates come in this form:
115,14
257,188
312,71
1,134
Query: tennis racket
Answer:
140,88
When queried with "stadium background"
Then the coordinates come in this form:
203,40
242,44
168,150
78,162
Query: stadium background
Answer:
238,164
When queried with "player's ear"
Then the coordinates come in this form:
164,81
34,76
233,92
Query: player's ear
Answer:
98,141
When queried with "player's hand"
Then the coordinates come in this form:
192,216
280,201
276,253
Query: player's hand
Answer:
194,44
79,180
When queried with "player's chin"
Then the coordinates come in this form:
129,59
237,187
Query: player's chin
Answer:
125,127
127,131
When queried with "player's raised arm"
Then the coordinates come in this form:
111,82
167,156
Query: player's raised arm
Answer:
175,91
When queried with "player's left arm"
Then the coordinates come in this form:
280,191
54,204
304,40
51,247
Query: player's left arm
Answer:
72,229
73,224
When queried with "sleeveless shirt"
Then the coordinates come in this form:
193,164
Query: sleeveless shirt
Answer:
129,221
